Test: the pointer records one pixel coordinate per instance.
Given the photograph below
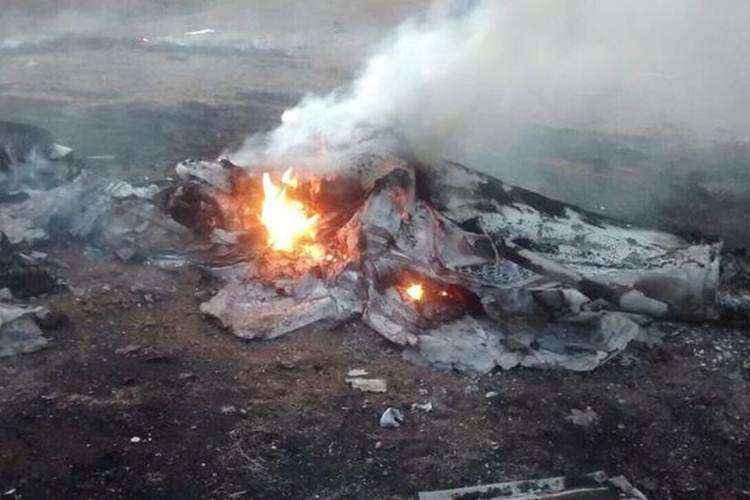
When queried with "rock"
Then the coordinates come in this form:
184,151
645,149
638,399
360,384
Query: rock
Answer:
368,384
585,418
391,418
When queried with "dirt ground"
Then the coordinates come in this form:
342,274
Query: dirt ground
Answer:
141,396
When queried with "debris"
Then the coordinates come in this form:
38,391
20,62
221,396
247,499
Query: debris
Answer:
391,418
19,332
595,485
23,275
424,407
228,410
491,394
585,418
206,31
368,384
356,372
135,439
128,349
222,237
5,294
126,254
520,341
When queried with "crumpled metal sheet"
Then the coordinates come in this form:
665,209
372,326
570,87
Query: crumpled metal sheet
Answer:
595,485
441,222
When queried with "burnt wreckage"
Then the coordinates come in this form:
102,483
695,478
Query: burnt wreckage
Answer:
506,277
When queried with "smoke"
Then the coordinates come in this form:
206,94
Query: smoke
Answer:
469,74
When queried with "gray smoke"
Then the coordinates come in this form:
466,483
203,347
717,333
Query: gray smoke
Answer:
468,74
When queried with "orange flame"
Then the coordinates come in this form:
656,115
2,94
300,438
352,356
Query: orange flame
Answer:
415,291
286,220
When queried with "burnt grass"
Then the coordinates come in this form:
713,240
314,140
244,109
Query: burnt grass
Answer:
217,417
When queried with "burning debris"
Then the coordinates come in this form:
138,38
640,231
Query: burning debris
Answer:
462,270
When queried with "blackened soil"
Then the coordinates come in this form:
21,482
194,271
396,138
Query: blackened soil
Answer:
140,396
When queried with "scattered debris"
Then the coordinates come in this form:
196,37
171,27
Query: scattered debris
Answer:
368,384
595,485
391,418
585,418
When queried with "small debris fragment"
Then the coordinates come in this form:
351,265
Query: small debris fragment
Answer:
228,410
186,376
135,439
128,349
491,394
357,372
287,365
585,418
391,418
378,445
5,294
425,407
368,384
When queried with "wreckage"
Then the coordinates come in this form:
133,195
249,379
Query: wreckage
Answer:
462,270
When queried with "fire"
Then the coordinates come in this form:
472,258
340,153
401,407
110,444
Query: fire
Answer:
415,291
286,220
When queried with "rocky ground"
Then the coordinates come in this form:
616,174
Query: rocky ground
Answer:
139,395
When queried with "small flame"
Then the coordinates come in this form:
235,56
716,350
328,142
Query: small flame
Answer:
285,219
415,291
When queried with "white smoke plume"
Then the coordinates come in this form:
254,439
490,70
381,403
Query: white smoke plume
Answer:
465,78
